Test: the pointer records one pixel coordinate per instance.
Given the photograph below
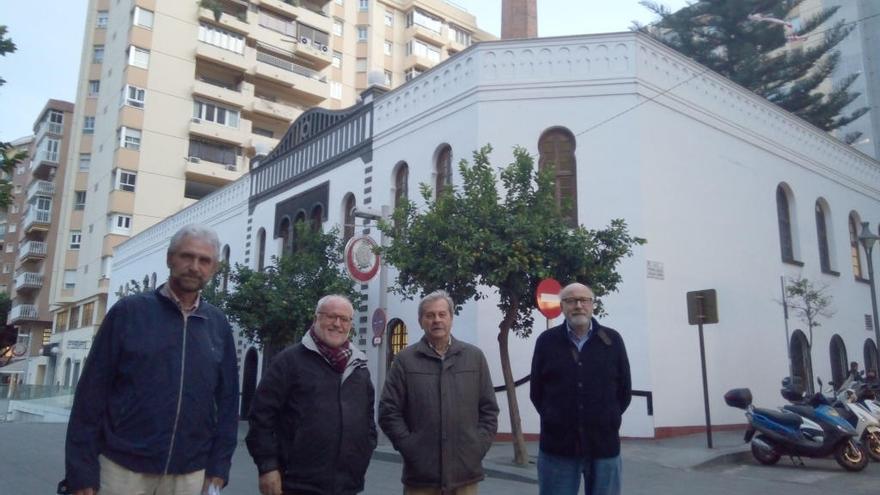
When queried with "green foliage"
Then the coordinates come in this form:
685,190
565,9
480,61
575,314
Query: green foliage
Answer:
9,157
473,238
276,306
808,302
214,6
720,35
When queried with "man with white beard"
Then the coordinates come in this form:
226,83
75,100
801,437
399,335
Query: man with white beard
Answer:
580,386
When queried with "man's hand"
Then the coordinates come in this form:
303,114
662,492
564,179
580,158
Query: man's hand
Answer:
85,491
270,483
212,480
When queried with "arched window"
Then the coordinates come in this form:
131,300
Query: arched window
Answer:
226,253
347,217
261,249
839,363
444,169
285,231
801,365
401,184
556,148
397,339
783,214
872,359
855,253
822,236
316,219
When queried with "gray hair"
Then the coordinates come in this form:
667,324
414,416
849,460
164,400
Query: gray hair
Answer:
200,232
324,300
434,296
565,290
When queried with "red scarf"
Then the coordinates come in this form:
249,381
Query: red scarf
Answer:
337,357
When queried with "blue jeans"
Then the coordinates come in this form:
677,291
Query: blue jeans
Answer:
561,475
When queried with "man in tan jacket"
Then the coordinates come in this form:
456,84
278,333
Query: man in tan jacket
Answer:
438,407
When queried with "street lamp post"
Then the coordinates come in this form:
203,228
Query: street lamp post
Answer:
868,238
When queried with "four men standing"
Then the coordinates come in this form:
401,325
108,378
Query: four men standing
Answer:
155,410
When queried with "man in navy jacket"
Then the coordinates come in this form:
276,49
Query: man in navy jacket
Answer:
155,410
580,387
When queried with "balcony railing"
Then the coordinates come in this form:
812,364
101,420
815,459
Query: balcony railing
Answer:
290,66
33,249
47,156
22,312
36,217
41,188
28,280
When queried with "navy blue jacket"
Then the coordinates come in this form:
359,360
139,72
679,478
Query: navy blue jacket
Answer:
157,394
581,396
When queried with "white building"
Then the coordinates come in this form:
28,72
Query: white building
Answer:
717,179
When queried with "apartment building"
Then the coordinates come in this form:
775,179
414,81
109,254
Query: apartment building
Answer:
175,100
29,243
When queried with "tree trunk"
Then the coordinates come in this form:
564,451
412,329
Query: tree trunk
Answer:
520,455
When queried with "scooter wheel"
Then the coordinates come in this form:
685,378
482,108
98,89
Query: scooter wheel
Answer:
851,456
765,456
871,441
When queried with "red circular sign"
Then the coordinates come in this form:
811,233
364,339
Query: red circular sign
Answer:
547,298
361,260
378,322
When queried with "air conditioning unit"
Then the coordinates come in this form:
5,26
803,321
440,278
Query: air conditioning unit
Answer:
231,167
193,159
324,49
196,120
304,40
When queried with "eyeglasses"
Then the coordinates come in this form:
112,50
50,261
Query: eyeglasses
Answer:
328,317
575,301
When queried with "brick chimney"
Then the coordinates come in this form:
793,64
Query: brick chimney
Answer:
519,19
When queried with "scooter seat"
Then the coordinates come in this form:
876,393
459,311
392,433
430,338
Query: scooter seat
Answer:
781,417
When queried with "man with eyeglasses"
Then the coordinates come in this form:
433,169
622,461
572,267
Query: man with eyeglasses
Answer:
311,422
580,386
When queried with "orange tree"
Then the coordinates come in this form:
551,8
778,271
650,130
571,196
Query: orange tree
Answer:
475,237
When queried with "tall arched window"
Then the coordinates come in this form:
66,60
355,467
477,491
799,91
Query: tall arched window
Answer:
285,231
855,254
444,169
316,219
401,184
347,217
822,236
261,249
801,365
556,148
783,214
839,363
397,340
226,253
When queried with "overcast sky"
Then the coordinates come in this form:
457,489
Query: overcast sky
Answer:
49,36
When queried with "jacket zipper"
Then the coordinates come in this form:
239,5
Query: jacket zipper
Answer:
179,397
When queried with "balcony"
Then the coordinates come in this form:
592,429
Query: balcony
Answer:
32,250
418,62
36,220
46,161
275,109
40,188
237,22
22,312
420,32
221,56
48,128
215,174
234,135
28,281
219,93
311,85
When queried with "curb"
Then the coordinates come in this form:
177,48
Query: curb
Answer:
737,457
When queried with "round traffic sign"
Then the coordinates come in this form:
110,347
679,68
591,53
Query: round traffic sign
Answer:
378,322
361,260
547,298
19,349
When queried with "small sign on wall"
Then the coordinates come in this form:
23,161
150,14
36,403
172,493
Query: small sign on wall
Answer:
655,270
77,344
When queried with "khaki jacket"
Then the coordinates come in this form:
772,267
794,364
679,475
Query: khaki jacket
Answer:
440,414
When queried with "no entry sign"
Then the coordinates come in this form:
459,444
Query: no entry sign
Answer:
547,298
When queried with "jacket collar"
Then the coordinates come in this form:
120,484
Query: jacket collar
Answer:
358,358
596,330
423,347
199,311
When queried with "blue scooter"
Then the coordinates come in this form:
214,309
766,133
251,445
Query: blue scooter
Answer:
814,430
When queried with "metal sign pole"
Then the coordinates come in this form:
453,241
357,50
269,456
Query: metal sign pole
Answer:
785,315
705,379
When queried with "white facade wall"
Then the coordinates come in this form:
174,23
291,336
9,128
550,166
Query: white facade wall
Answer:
688,159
